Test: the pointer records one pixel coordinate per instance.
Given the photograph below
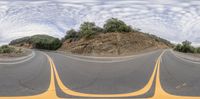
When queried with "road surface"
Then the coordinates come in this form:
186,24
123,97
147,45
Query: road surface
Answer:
156,75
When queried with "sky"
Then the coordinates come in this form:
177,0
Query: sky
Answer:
174,20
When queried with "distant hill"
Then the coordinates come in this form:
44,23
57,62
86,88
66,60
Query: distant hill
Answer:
38,41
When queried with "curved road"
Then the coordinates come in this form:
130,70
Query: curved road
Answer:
158,74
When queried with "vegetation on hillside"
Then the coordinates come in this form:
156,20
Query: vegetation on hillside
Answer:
112,25
114,38
115,25
5,49
39,42
186,47
89,29
113,34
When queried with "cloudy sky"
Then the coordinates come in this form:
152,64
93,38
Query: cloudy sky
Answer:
174,20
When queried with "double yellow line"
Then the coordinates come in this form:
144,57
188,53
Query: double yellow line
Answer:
160,93
51,91
49,94
142,91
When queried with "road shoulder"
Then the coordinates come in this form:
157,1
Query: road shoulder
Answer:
187,56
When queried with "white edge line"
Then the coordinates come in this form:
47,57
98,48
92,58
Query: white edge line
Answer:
16,59
95,61
33,55
184,59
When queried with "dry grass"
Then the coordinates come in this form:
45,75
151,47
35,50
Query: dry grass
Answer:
110,44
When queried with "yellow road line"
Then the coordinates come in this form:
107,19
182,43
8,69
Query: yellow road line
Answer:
49,94
142,91
160,93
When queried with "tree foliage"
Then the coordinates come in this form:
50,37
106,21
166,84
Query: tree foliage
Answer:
45,42
6,49
87,29
186,47
198,50
39,42
115,25
71,34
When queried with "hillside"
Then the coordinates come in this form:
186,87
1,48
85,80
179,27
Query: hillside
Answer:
109,44
38,42
113,39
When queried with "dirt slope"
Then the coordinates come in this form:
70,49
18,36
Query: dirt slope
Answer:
110,44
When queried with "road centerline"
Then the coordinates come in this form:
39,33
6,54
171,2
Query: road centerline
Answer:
142,91
160,93
50,93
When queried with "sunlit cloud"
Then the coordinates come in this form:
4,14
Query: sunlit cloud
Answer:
175,20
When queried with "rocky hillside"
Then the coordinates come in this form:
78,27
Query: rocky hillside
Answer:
109,44
113,39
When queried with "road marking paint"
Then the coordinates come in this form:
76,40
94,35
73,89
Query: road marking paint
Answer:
17,59
95,60
136,93
183,59
18,62
49,94
181,86
161,94
98,61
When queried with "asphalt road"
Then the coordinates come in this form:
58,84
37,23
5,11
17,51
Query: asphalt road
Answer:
158,74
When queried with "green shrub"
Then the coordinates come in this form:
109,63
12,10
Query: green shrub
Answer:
45,42
88,29
178,47
198,50
185,47
71,34
20,41
39,42
115,25
6,49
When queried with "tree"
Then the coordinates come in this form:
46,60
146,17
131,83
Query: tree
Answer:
6,49
87,29
71,34
45,42
186,47
178,47
198,50
115,25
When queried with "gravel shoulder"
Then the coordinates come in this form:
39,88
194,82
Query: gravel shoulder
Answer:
24,53
188,56
109,58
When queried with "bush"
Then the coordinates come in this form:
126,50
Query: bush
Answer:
115,25
45,42
178,47
88,29
185,47
20,41
6,49
198,50
71,34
